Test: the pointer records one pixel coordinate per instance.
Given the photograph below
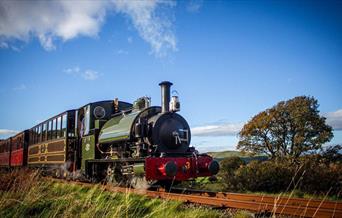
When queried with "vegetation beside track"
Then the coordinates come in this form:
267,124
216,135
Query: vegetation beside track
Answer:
316,176
26,194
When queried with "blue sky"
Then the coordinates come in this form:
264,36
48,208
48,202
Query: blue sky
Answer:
228,60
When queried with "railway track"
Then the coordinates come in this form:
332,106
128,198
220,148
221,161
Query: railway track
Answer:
298,207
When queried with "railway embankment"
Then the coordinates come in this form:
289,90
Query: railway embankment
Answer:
27,194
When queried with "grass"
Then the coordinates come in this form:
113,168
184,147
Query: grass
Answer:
26,194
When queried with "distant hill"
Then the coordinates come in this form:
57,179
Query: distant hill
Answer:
223,154
220,155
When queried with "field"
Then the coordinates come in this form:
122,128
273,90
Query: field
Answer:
27,194
246,157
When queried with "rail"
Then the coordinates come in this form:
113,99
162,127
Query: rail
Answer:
300,207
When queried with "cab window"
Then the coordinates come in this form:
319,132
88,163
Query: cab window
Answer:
86,120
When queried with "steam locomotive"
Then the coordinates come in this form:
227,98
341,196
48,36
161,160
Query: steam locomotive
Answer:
115,141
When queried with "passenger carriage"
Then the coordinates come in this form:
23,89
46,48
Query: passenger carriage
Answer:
5,147
19,149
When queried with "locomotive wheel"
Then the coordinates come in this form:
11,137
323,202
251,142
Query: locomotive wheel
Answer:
167,184
58,174
114,177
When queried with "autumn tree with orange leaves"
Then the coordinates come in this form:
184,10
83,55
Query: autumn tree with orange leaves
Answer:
289,129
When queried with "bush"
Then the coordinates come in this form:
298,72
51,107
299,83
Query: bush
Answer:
321,177
310,175
228,167
270,176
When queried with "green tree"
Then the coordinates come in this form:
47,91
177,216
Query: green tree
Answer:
289,129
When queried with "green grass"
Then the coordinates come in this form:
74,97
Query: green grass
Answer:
33,196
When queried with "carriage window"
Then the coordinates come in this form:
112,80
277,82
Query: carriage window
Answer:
14,144
39,133
50,130
53,129
64,125
44,132
32,136
35,135
30,139
19,143
59,123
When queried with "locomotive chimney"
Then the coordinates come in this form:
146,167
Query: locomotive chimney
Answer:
165,95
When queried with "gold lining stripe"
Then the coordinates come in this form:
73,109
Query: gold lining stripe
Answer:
48,153
46,162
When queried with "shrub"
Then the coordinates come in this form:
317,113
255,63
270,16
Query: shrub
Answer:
270,176
321,177
228,166
310,175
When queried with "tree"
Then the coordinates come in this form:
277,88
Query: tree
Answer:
332,154
289,129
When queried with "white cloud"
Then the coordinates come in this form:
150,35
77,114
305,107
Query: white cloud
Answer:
3,45
90,75
72,70
8,132
20,87
47,42
85,74
194,5
122,52
63,20
130,40
49,19
334,119
153,28
224,129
